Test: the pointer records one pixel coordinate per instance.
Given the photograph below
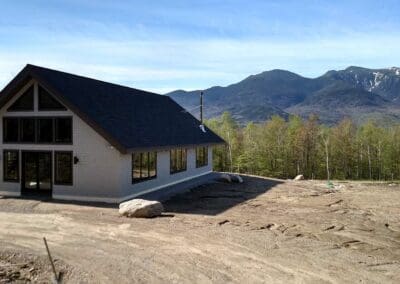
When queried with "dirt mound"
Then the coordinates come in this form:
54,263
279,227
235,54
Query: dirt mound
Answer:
261,231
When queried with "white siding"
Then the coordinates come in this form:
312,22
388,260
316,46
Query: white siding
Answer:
95,176
102,173
164,178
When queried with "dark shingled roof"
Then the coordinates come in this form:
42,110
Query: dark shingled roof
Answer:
128,118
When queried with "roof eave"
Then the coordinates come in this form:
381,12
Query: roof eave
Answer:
168,147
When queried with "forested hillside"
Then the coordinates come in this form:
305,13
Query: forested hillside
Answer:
284,148
359,93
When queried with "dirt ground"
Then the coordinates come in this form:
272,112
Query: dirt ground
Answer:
262,231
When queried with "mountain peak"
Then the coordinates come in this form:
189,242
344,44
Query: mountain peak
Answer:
357,91
355,68
396,70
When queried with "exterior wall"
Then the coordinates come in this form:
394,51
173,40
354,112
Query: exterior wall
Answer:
102,174
95,176
164,178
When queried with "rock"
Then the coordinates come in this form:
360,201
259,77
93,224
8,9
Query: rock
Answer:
225,178
223,222
141,208
339,186
299,177
236,178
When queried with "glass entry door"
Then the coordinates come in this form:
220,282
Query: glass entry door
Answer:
36,172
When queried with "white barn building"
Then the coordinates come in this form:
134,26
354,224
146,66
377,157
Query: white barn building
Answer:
76,138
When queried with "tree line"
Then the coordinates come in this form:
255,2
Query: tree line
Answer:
285,148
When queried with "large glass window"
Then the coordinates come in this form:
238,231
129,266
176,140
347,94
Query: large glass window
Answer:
37,130
47,102
10,129
201,157
24,102
144,166
28,130
45,130
63,130
63,168
11,165
178,160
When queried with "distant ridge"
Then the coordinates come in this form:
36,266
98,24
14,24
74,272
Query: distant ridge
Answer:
355,92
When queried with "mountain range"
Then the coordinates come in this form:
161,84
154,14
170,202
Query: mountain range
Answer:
355,92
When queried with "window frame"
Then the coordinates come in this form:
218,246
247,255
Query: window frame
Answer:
148,177
17,180
36,119
56,182
179,153
21,130
32,86
202,163
55,130
38,128
5,130
48,93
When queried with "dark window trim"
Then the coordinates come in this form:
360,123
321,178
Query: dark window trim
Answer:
4,166
55,168
200,164
36,118
138,180
170,160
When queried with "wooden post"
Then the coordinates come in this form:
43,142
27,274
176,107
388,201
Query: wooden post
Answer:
51,261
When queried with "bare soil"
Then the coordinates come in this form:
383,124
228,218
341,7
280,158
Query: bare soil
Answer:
262,231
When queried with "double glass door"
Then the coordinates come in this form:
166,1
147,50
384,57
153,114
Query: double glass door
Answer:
36,172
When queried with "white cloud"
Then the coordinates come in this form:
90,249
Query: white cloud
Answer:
166,64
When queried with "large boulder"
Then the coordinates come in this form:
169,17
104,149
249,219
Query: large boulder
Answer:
225,178
236,178
299,177
141,208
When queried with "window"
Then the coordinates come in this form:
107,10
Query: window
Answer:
37,130
144,166
11,165
45,130
177,160
63,130
201,157
48,102
28,130
10,129
63,168
24,102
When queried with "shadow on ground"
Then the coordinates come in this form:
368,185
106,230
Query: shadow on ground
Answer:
45,198
217,197
210,198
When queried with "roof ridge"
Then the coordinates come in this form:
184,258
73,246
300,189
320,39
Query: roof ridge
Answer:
32,66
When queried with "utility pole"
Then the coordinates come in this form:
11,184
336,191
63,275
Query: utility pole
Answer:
201,108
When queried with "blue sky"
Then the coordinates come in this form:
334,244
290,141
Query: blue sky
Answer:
167,45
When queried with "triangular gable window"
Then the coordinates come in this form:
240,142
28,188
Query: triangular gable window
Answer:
48,102
24,102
